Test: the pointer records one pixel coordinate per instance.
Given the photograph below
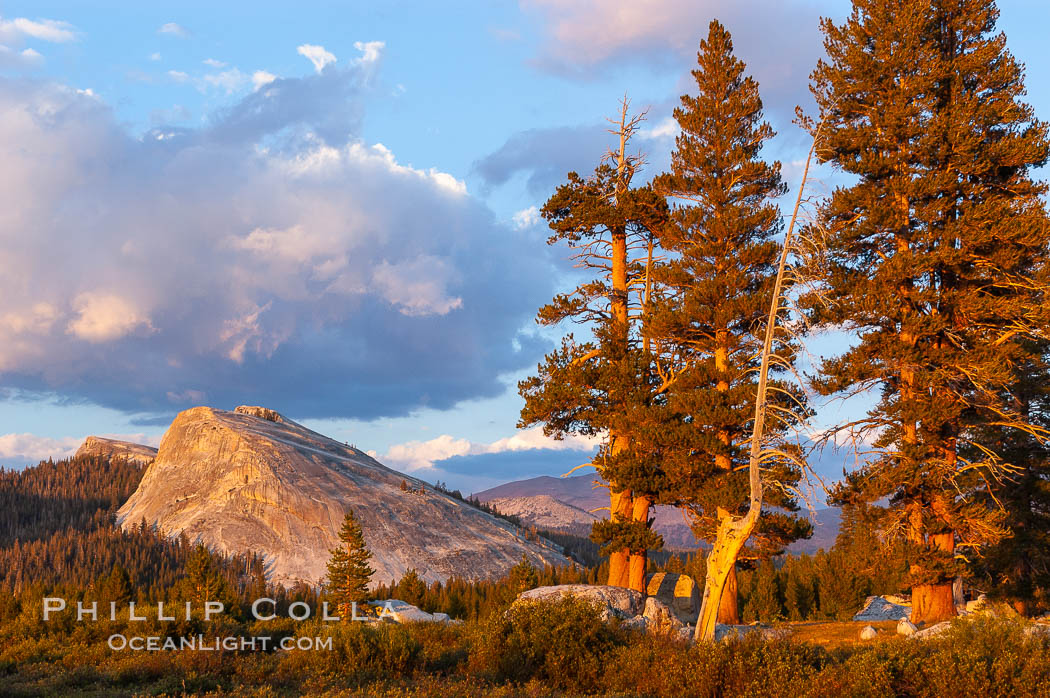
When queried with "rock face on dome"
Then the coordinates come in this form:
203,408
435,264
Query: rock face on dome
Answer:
111,448
252,480
544,511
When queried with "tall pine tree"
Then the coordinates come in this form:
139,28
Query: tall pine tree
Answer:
932,261
716,288
1018,567
604,385
348,569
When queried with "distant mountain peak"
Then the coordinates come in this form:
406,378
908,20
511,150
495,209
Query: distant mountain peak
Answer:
99,446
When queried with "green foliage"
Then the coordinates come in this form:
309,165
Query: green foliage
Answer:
714,288
563,643
1017,568
764,600
523,576
117,586
635,536
607,383
933,259
348,569
410,588
204,580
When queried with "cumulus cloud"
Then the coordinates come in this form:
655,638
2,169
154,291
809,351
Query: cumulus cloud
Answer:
14,33
371,51
779,40
526,218
19,28
173,29
316,55
29,449
665,128
327,105
270,257
424,455
26,58
103,317
261,78
229,81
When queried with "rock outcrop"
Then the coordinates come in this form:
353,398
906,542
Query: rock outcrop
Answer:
394,611
631,608
659,618
613,602
879,608
252,480
678,592
98,446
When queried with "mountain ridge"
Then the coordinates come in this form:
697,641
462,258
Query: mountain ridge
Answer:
589,493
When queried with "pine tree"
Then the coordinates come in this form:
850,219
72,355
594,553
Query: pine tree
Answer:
717,288
799,593
117,586
204,581
763,602
411,588
1018,567
932,255
523,577
349,571
604,385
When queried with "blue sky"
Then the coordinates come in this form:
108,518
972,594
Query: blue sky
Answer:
326,209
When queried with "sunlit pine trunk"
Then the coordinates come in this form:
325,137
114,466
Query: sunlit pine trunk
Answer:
721,562
728,608
620,503
933,603
623,506
639,559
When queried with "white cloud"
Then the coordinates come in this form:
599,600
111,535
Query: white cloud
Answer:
35,320
30,448
417,455
154,56
419,286
316,55
213,63
249,256
27,58
667,128
414,455
178,76
371,51
779,41
43,29
229,81
103,317
173,29
261,78
526,218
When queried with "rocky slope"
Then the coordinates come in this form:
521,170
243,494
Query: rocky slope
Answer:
111,448
253,480
544,511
